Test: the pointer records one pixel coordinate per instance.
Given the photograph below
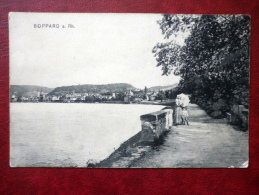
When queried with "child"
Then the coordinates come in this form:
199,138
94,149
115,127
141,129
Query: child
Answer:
185,116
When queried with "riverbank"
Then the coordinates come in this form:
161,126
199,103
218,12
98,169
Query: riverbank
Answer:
128,153
206,143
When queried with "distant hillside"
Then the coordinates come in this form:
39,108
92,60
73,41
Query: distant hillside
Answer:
163,88
88,88
28,90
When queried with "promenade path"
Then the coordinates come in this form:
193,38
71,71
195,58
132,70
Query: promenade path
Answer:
206,142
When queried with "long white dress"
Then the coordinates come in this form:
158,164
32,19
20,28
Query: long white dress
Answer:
169,118
178,111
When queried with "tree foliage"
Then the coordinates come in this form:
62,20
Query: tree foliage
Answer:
214,61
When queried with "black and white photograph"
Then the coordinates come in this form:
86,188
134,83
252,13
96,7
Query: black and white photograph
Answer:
120,90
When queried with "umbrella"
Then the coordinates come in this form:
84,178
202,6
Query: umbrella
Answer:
183,100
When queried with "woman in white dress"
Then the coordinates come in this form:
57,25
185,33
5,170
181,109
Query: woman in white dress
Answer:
181,101
178,110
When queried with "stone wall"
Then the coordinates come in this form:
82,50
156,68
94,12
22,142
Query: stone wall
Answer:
155,124
236,114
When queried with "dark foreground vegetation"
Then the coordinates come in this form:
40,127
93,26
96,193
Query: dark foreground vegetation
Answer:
214,61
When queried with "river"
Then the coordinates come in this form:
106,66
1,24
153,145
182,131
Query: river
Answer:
70,135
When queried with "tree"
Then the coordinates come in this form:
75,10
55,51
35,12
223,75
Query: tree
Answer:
160,96
145,90
214,62
120,96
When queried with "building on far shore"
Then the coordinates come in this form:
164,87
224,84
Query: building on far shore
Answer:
128,96
13,98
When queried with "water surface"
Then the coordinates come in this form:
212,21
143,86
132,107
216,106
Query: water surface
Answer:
64,135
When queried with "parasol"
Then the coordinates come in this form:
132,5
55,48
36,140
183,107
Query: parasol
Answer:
183,100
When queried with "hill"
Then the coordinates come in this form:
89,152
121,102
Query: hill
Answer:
163,88
28,90
89,88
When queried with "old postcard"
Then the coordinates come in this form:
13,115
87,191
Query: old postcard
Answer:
129,90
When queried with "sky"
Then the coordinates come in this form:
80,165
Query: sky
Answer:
100,49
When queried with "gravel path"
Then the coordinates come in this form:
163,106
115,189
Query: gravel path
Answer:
205,143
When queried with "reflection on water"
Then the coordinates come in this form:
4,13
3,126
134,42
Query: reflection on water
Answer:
53,134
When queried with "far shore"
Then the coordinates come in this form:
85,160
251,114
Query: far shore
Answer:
165,103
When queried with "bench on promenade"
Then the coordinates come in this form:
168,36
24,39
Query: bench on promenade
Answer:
154,124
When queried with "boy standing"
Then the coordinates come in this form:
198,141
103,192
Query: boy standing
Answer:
184,116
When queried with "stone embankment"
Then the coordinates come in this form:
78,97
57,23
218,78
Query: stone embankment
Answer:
205,143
